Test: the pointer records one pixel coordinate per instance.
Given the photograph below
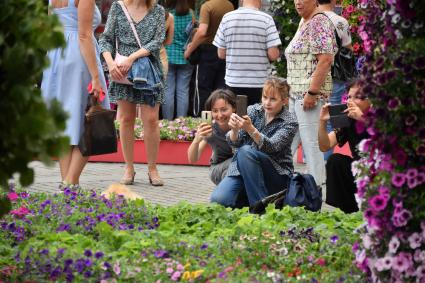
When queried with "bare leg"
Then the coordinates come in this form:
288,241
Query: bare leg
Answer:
151,138
127,116
64,163
76,166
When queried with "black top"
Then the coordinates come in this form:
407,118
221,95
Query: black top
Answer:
351,136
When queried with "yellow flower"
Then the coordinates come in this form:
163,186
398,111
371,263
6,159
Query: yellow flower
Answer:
197,273
186,275
187,266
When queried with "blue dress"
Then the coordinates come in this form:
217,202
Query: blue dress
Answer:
67,77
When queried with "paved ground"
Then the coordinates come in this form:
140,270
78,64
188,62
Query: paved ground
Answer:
189,183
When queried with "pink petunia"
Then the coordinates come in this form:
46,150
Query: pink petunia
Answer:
176,276
415,240
321,261
12,196
378,202
393,245
20,212
383,263
402,262
350,9
169,270
398,179
117,268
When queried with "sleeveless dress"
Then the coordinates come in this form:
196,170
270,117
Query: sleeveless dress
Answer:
67,77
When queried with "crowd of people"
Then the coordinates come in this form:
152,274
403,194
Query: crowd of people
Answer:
252,154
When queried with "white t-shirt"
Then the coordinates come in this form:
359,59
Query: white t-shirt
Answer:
246,34
342,27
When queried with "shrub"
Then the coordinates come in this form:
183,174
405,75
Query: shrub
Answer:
30,129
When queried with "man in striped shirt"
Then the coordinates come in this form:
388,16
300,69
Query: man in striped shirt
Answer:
247,38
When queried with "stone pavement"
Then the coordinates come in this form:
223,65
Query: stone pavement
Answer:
190,183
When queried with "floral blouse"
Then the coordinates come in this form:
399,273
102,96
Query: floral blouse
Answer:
275,139
315,37
151,32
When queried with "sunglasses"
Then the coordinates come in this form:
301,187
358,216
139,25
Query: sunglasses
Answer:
361,97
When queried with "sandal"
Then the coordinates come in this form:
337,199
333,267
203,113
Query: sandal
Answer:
155,181
128,180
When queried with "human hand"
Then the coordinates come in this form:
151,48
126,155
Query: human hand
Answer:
309,101
324,113
95,89
114,71
187,51
204,130
125,65
354,112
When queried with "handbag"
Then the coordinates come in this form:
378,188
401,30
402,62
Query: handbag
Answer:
195,56
344,67
118,57
99,136
303,191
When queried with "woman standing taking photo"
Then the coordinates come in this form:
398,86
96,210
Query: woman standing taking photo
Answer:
148,19
71,70
309,58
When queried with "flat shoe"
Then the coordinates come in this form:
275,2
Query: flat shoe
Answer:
128,180
157,182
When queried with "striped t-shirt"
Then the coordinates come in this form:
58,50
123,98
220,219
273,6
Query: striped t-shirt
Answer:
246,34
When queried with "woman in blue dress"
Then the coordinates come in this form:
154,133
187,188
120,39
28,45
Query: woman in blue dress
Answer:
71,70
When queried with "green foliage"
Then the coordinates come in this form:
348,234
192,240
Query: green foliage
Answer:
30,129
286,19
185,242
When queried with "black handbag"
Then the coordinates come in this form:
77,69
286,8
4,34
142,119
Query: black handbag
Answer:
99,136
195,56
344,67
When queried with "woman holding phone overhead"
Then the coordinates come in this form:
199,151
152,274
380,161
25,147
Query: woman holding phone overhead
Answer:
221,103
71,70
263,161
136,29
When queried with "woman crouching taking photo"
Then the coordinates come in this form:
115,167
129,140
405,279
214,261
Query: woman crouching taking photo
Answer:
221,103
262,163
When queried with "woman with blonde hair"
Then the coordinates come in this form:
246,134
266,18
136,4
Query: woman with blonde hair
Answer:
148,20
262,163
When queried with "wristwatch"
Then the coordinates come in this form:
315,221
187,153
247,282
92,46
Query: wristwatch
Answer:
313,93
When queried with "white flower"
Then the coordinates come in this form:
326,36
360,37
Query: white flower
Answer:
367,241
393,245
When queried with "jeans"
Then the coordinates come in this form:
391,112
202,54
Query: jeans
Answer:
178,79
258,179
211,71
338,89
308,129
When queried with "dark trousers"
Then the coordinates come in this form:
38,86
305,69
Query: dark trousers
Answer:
253,94
340,185
211,70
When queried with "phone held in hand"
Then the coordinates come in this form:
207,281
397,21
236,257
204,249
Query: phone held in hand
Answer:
206,117
338,117
241,105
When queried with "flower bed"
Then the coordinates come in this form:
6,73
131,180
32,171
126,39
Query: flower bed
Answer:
83,237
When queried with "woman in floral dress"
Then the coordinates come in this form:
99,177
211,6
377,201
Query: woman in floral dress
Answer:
310,56
149,21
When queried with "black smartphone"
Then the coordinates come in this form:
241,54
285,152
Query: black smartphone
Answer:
338,117
241,105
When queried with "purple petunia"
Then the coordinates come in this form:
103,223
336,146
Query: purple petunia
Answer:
398,179
98,255
378,202
161,254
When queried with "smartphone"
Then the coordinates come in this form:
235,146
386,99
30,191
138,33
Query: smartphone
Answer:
206,117
241,105
338,117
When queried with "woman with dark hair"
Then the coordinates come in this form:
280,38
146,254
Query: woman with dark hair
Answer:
179,69
309,56
148,19
221,103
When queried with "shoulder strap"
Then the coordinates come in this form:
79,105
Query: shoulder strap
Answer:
338,40
193,16
130,22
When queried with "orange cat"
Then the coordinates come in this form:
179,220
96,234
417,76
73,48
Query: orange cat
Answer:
119,189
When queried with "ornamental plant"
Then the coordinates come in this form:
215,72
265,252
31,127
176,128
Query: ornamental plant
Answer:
81,237
391,174
180,129
286,19
29,129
